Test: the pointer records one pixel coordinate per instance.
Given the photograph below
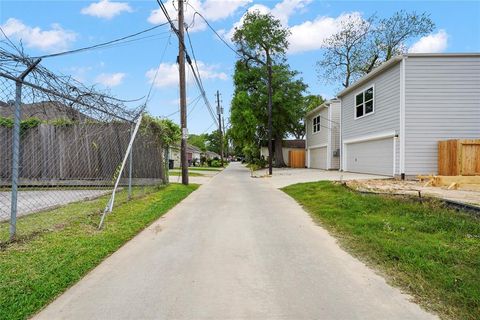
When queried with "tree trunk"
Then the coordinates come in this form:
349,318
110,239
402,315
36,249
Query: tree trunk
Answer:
279,162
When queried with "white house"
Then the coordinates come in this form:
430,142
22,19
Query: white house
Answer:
393,118
322,127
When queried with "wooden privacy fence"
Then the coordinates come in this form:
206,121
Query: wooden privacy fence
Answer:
459,157
82,153
296,158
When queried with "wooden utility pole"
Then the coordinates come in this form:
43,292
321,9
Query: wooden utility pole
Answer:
183,94
219,112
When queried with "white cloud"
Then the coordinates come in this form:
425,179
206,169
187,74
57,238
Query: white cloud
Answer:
212,10
106,9
310,35
51,40
168,74
110,79
433,43
282,11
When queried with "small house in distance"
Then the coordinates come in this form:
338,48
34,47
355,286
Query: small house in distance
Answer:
287,145
393,118
322,128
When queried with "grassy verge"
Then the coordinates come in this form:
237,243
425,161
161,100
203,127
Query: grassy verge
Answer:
203,168
190,173
40,266
430,251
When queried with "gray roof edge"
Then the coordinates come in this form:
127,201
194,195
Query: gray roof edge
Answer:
325,104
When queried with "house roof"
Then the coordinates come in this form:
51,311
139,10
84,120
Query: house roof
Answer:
293,143
326,104
212,154
392,62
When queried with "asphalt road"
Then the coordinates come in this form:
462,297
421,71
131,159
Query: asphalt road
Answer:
237,248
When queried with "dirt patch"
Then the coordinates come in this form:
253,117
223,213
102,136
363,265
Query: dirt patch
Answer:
415,188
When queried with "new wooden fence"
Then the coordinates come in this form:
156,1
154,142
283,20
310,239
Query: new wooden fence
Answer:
459,157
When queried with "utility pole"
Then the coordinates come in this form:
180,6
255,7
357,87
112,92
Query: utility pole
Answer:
183,94
270,147
219,112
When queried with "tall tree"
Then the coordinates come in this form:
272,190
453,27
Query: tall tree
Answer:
248,115
363,44
262,41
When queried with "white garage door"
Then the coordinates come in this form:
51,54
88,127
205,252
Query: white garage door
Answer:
318,158
374,156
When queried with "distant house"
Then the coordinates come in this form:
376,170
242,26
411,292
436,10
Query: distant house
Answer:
322,128
393,118
287,145
212,155
193,155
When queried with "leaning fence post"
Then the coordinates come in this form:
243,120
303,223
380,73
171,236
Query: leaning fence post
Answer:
16,148
130,165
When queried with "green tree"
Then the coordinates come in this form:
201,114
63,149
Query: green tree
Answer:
198,140
262,40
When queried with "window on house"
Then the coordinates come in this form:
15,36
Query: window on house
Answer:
316,124
364,103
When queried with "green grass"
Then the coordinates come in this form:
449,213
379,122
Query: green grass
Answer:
428,250
202,168
56,249
190,173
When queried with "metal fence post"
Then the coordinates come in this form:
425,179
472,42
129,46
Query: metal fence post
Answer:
167,165
130,166
15,159
16,148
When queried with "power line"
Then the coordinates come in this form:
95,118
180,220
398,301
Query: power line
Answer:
214,31
158,68
100,44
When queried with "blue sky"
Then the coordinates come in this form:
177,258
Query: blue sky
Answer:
127,70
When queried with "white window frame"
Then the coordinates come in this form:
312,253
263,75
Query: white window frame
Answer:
314,126
363,103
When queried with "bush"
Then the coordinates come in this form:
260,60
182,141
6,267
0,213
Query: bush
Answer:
215,163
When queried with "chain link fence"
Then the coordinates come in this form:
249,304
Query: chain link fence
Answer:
62,144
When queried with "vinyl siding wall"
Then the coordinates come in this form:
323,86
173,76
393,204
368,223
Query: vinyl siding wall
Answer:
335,129
442,101
386,116
320,137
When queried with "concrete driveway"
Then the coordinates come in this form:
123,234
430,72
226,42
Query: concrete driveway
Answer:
283,177
237,248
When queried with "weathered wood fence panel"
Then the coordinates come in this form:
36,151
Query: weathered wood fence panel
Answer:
459,157
79,152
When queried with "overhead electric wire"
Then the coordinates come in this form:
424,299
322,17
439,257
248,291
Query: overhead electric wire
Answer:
156,72
214,31
100,44
182,43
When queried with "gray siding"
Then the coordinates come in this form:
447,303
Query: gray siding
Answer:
335,138
320,137
386,116
442,101
329,123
